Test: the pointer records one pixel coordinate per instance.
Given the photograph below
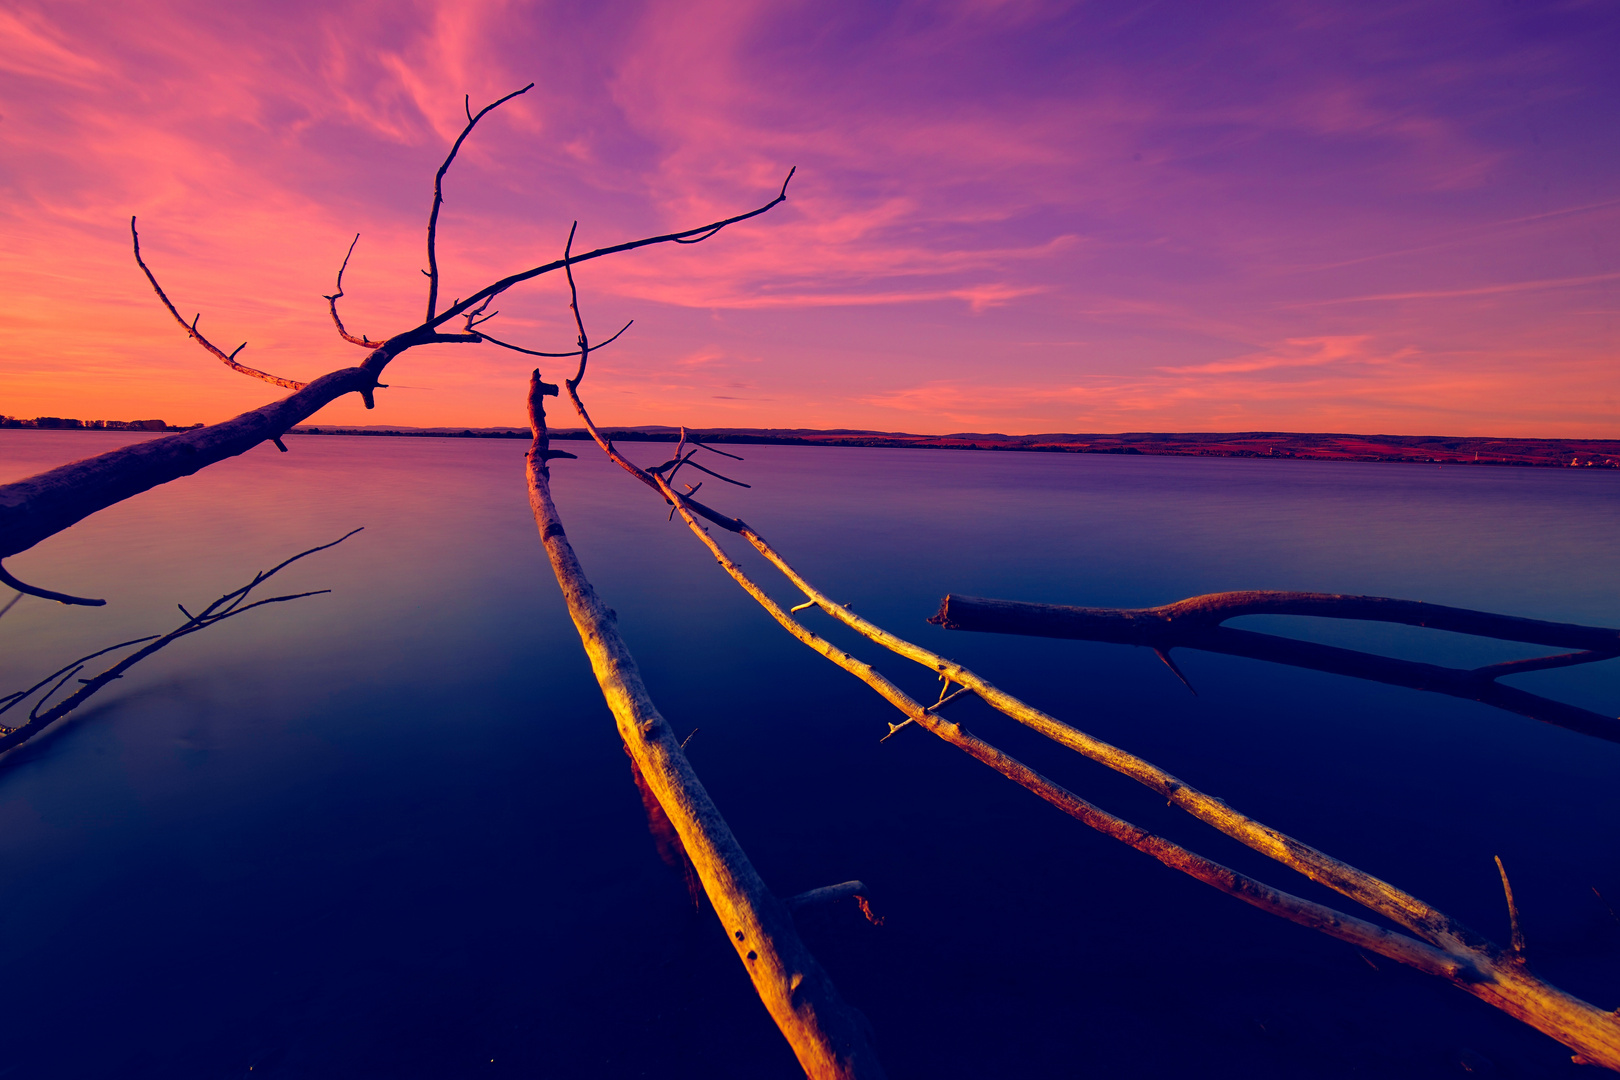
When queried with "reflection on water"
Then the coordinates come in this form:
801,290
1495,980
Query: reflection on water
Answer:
389,830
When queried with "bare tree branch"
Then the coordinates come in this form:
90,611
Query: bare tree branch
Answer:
228,359
506,283
46,594
228,606
829,1038
1194,624
1447,948
42,505
362,341
553,355
438,194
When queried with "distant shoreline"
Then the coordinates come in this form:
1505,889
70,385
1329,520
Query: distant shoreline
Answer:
1412,449
1425,449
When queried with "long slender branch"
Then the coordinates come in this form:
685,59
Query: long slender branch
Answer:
1293,908
227,606
40,506
1475,964
228,359
1156,629
438,198
506,283
829,1038
1159,625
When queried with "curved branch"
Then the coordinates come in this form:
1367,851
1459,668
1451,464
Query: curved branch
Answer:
228,359
438,194
553,355
505,283
362,341
46,594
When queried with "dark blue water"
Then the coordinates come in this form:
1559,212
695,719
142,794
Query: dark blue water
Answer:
390,831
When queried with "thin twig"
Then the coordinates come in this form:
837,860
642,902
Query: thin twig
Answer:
1513,909
331,301
532,352
228,359
438,196
45,594
498,287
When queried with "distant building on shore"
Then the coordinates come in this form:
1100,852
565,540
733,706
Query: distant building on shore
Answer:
60,422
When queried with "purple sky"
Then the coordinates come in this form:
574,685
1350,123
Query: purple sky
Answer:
1014,217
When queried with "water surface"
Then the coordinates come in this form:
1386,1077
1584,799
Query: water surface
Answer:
390,831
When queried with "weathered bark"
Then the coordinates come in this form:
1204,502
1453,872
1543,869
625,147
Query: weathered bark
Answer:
43,505
829,1037
1447,948
1194,624
1156,626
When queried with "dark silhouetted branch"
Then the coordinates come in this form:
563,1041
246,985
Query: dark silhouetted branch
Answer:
228,606
506,283
1194,624
1155,626
553,355
438,194
45,594
331,301
228,359
42,505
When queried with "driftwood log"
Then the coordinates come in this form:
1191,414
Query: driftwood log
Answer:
41,506
830,1038
1434,942
1195,623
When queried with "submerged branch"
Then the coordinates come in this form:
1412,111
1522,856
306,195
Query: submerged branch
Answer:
828,1036
1194,624
1440,945
227,606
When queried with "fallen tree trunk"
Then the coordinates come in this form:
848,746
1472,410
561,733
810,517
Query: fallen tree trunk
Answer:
1156,626
43,505
1438,944
1194,624
829,1037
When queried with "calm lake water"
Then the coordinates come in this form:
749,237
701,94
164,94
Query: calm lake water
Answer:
390,831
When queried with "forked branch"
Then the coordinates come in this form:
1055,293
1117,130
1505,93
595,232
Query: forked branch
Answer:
42,505
232,604
438,194
1195,624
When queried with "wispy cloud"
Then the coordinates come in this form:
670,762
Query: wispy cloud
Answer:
1294,216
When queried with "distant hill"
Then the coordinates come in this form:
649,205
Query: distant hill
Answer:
1441,449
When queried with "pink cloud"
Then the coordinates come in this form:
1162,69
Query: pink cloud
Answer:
1354,190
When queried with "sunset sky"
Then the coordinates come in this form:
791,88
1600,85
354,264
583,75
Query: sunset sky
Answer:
1015,217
